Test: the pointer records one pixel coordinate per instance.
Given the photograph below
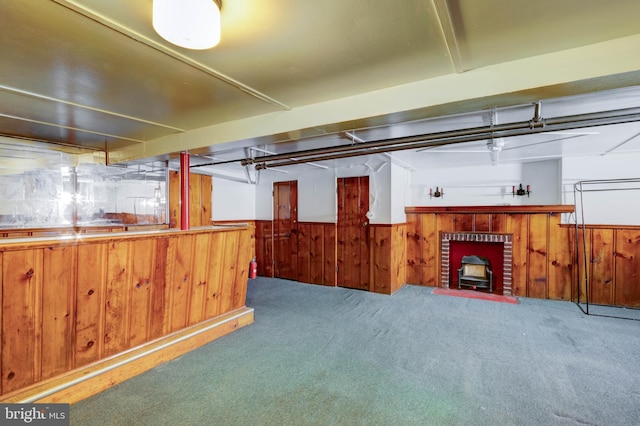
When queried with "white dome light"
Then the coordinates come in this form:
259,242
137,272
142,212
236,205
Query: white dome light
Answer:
192,24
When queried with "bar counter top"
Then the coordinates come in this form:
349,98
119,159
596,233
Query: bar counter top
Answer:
79,238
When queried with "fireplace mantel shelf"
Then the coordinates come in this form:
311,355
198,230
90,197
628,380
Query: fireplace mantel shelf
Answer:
553,208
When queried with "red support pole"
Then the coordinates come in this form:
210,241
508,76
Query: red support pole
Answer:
185,223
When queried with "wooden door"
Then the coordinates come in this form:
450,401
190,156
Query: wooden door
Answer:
285,229
353,233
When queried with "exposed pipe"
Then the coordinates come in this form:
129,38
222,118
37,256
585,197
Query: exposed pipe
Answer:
523,128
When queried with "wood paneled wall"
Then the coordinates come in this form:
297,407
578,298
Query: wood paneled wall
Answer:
542,249
317,254
264,247
200,193
388,257
613,262
69,304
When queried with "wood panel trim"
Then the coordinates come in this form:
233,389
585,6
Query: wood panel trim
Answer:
84,382
572,226
61,241
557,208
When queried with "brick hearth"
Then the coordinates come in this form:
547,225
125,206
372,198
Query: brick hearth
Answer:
507,252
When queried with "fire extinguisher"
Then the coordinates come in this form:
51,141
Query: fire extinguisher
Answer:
253,268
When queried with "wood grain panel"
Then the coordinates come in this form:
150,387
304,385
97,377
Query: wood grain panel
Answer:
159,319
174,199
195,199
381,259
285,224
354,237
206,193
264,243
316,253
430,260
413,250
214,280
445,222
90,302
181,279
200,272
241,269
627,268
601,282
330,254
141,290
482,222
304,254
560,260
537,247
584,266
398,257
498,223
463,222
200,196
117,297
58,310
21,318
67,304
229,267
518,226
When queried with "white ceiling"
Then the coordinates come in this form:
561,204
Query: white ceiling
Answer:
292,75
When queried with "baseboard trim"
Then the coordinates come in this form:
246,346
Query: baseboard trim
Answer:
94,378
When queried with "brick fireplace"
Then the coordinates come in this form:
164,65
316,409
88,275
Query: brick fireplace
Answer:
480,240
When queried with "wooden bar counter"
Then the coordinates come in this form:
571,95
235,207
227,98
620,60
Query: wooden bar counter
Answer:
81,313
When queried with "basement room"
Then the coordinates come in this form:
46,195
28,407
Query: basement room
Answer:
320,213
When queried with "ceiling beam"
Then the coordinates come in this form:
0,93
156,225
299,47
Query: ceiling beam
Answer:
601,66
447,28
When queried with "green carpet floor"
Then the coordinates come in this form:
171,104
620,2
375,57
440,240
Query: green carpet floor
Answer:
332,356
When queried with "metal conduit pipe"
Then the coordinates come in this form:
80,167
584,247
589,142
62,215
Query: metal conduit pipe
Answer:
536,125
380,143
392,141
369,148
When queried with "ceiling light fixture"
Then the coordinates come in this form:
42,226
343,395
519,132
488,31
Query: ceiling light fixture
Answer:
192,24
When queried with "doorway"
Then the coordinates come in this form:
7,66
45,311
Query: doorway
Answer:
285,229
353,233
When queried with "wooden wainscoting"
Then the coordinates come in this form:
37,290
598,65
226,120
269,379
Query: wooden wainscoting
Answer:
613,262
542,249
69,303
264,247
388,257
317,253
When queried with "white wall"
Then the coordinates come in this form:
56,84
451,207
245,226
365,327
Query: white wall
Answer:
317,198
606,203
400,193
392,188
487,185
231,200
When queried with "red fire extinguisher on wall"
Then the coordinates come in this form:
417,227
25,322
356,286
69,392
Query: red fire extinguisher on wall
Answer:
253,268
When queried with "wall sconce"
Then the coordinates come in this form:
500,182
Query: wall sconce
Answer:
439,192
520,191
